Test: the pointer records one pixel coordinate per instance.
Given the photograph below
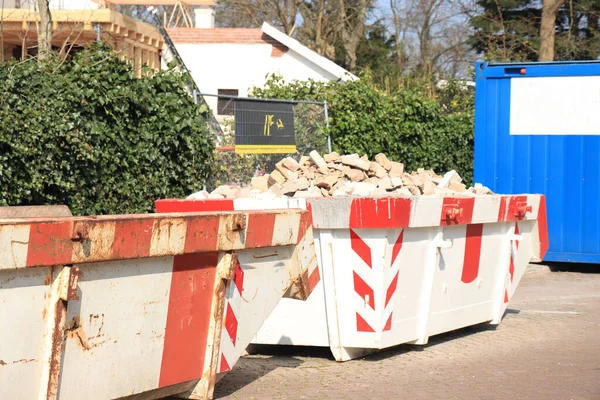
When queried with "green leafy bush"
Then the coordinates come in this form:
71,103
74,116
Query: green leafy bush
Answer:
408,126
86,132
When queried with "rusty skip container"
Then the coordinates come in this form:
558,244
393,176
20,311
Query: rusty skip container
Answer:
140,305
399,270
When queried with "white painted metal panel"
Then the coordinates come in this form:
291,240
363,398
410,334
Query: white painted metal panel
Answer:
121,313
555,106
23,331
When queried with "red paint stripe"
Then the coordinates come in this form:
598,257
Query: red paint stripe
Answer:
305,222
388,324
397,247
50,244
543,227
132,238
472,253
239,277
515,210
360,248
364,290
314,279
511,269
391,289
502,209
505,296
184,205
202,234
259,232
361,325
231,324
224,365
385,212
457,211
188,317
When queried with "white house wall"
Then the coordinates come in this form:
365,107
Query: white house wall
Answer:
242,66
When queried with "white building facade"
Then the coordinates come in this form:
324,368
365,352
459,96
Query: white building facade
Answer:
231,61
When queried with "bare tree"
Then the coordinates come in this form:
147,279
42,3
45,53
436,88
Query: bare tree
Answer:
399,31
430,36
353,15
249,13
320,28
547,28
44,30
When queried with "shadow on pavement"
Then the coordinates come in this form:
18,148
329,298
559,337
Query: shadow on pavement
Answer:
574,267
433,340
249,369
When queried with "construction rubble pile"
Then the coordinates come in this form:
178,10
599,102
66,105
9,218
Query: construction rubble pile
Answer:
344,175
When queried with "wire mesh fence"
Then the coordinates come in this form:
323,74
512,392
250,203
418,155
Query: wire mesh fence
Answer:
258,133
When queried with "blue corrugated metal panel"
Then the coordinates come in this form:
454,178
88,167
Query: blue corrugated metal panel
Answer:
566,168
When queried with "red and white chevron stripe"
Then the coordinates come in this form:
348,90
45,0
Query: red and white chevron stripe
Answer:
365,276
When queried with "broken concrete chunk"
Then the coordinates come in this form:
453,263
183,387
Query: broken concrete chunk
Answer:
402,192
307,173
201,195
414,190
429,188
362,188
417,181
290,164
305,161
446,179
457,187
296,185
289,175
318,161
396,182
383,161
344,175
260,183
443,190
386,183
276,177
354,174
336,166
326,181
356,162
397,170
332,157
456,178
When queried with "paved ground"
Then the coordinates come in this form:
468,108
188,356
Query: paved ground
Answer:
547,347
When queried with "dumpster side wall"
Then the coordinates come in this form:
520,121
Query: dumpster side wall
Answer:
537,130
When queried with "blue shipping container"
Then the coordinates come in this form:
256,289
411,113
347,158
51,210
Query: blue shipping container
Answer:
537,130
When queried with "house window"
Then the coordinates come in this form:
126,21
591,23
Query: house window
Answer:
225,105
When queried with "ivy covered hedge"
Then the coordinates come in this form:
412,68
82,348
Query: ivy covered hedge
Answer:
86,132
408,126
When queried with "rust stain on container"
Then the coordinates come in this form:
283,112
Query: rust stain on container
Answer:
74,276
75,331
24,361
2,362
60,315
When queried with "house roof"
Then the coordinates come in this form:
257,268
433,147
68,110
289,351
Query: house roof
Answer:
267,34
219,35
307,53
